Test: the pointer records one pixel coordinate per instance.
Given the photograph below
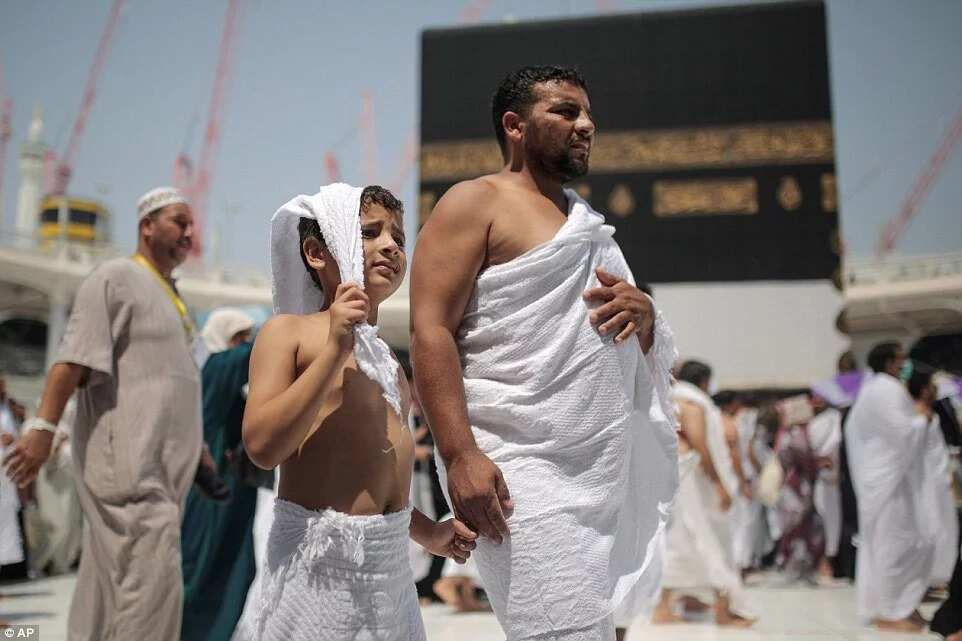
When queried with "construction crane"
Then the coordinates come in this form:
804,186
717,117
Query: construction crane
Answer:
368,138
197,182
6,115
894,228
330,163
63,166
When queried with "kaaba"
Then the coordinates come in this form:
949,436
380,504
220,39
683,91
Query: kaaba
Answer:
714,154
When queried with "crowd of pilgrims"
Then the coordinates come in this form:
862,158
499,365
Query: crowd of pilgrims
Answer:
856,479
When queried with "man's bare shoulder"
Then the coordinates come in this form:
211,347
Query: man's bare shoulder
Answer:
690,408
468,201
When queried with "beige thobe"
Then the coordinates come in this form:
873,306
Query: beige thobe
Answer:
136,445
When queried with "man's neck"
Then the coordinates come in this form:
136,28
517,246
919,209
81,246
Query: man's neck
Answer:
547,186
162,268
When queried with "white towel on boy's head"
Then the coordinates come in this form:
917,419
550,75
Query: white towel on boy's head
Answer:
581,428
337,210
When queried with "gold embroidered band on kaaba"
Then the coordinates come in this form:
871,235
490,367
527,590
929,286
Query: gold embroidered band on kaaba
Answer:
709,196
786,143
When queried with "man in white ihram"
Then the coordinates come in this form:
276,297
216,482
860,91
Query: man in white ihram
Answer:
543,373
885,444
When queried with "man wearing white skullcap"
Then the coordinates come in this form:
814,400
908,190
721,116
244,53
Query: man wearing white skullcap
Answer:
137,434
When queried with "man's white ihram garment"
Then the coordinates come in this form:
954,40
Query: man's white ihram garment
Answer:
936,499
329,576
581,428
825,437
886,459
746,513
699,550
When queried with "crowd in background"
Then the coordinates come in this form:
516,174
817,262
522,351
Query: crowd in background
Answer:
771,481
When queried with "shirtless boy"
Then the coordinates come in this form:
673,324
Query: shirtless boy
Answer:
337,561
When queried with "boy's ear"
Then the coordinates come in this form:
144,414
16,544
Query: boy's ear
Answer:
314,253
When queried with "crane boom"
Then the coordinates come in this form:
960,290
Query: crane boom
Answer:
198,182
894,228
65,165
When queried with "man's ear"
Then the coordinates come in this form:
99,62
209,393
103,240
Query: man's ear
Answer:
315,253
513,125
145,227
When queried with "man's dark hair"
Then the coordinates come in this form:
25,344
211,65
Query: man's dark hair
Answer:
918,382
725,397
372,195
516,93
694,372
882,354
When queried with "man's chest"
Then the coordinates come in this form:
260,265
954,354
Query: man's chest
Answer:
516,230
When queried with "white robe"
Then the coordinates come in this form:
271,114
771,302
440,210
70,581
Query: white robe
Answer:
11,539
581,428
936,500
699,551
825,436
746,513
886,459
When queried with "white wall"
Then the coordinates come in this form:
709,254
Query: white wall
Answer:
757,334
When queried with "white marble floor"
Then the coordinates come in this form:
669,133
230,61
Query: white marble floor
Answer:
786,614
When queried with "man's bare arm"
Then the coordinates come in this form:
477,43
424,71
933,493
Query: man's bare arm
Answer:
692,420
450,253
451,250
32,451
731,439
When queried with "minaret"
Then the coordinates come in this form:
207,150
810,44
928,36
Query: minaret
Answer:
31,179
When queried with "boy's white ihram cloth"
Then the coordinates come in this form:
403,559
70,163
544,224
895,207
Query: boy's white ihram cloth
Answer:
581,428
330,576
337,210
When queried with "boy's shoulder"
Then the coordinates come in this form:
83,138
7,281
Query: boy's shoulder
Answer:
292,326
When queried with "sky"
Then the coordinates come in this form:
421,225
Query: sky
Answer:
301,67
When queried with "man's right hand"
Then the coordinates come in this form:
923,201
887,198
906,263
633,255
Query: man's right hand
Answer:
23,463
349,308
479,494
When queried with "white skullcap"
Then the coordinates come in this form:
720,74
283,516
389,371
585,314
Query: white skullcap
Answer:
222,325
337,210
157,198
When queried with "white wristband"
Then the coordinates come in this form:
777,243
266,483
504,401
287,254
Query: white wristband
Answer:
37,423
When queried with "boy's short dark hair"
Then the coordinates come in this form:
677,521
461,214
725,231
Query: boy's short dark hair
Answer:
372,195
516,93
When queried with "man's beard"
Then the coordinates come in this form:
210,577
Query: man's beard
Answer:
562,163
564,166
568,167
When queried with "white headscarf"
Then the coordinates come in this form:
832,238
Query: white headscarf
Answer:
222,325
337,210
